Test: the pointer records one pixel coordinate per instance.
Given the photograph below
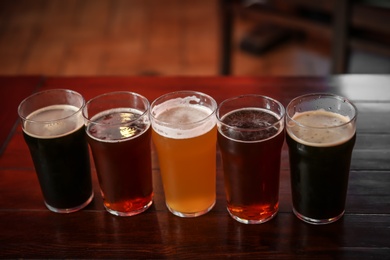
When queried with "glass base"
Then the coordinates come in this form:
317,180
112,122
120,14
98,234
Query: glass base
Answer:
317,221
70,210
129,213
251,221
190,215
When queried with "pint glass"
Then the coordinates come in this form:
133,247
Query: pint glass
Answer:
250,137
321,133
53,128
118,130
184,134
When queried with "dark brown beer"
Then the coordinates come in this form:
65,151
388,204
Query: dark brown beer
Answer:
319,165
251,162
60,154
123,160
319,178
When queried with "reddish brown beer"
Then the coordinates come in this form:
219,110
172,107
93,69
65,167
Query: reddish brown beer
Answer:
250,140
120,143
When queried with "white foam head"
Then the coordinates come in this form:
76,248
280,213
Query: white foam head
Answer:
121,124
320,128
182,118
53,121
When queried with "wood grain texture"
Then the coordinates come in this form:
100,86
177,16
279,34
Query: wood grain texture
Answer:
29,230
135,37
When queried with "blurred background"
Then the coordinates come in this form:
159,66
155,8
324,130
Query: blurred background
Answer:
194,37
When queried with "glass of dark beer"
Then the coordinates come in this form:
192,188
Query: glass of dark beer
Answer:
250,138
321,133
119,134
53,128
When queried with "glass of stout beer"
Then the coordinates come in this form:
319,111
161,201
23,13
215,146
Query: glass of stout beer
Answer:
250,137
119,134
321,133
53,128
185,137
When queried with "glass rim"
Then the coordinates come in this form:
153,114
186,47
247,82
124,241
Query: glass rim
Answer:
283,112
25,119
160,122
334,96
146,101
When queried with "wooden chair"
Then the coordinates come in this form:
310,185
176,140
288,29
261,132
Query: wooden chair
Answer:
352,24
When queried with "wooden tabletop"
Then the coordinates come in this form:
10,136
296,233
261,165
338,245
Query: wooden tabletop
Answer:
29,230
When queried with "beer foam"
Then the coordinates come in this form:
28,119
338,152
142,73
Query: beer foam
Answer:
53,121
181,119
250,125
320,128
117,125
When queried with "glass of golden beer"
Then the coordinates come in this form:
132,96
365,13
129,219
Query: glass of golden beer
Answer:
185,136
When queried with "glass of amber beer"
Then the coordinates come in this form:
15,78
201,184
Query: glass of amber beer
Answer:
119,134
250,137
321,133
185,137
53,128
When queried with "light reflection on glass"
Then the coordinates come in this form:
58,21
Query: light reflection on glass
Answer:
125,117
127,131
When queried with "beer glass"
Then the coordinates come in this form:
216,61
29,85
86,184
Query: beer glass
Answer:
185,137
118,131
53,128
250,137
321,133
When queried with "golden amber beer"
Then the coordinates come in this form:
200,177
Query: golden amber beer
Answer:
184,134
